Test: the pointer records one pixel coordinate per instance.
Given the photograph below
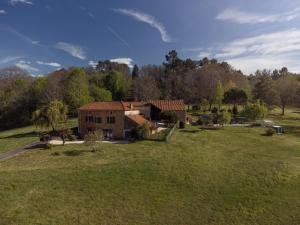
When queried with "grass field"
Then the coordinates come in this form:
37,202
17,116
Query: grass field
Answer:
229,176
12,139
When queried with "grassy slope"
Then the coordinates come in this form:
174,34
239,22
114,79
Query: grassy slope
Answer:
231,176
12,139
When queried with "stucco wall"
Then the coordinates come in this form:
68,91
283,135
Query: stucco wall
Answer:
117,128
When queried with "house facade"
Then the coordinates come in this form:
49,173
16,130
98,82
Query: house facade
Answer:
118,119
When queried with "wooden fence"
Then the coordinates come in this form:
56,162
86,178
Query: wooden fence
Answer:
171,132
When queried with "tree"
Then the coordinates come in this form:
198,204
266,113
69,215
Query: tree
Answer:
170,117
76,90
135,72
100,94
117,85
92,139
204,105
51,116
219,97
235,96
287,86
64,134
257,110
265,90
146,88
108,66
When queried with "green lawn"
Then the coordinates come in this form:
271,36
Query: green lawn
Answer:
229,176
12,139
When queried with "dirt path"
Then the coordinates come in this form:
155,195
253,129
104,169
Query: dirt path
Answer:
13,153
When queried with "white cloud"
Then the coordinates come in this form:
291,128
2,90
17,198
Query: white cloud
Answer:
9,59
270,51
73,50
127,61
2,11
25,66
93,64
145,18
53,64
243,17
25,2
25,62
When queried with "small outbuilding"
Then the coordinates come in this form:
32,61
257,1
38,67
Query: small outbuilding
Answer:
278,129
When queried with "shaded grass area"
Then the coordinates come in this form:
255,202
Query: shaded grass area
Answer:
232,175
12,139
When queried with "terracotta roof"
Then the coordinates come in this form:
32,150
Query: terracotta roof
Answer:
138,119
103,106
169,105
135,105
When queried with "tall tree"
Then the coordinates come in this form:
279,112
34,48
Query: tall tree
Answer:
235,96
135,72
116,83
76,90
265,90
287,86
219,97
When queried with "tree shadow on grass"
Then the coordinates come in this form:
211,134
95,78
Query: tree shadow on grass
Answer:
211,128
37,146
296,112
23,135
75,152
190,131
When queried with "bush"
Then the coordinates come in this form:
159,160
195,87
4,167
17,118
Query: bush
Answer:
55,154
214,110
270,132
257,110
225,117
235,110
196,107
200,121
142,132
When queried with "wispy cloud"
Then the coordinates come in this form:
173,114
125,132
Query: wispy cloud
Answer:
270,51
25,2
118,36
53,64
19,34
26,66
127,61
2,11
243,17
148,19
73,50
9,59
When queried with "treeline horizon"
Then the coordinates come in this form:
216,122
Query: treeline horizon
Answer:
195,82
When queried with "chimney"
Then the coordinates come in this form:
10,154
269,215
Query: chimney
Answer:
131,107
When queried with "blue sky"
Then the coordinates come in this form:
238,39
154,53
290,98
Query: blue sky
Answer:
45,35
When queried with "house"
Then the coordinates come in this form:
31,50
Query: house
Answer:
118,119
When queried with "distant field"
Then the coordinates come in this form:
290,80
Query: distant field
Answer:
12,139
229,176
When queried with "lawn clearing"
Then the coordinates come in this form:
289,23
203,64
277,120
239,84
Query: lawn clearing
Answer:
16,138
230,176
